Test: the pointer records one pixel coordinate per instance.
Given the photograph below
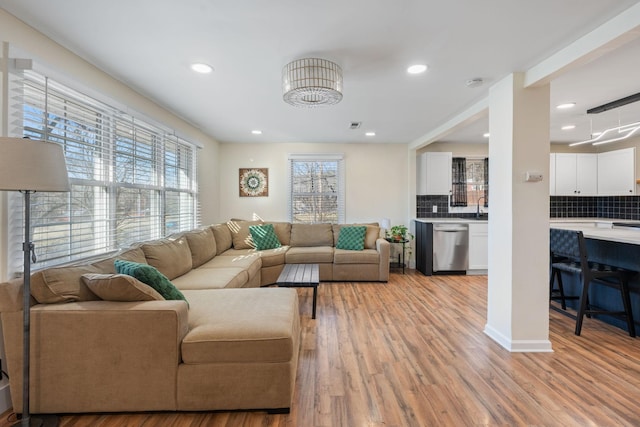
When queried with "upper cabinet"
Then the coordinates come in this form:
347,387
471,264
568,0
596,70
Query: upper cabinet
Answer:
433,173
616,172
612,173
576,174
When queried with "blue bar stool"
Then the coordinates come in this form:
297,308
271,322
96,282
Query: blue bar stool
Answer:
569,254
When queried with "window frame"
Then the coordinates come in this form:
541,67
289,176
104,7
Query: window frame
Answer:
471,206
92,132
338,160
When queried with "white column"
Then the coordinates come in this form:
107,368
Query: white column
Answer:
518,295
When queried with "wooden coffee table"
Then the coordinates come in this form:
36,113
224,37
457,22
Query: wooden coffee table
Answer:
301,276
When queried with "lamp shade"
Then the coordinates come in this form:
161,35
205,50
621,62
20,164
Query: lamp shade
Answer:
31,165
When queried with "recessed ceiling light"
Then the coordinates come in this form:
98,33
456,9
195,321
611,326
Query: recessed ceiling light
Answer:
566,105
486,135
568,127
200,67
370,134
417,69
256,132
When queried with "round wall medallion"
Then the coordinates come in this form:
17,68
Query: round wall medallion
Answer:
253,182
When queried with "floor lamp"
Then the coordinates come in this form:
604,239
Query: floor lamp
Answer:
29,166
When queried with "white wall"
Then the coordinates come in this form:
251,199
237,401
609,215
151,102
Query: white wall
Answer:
376,180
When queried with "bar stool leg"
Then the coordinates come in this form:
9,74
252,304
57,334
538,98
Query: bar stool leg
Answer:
555,273
582,304
626,302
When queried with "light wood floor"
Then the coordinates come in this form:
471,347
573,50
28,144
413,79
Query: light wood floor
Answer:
412,353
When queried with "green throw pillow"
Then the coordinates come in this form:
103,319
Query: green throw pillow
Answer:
151,276
351,238
264,236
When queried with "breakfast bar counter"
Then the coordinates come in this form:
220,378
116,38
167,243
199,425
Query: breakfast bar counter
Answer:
612,242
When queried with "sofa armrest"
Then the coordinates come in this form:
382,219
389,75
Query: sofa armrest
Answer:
96,356
384,248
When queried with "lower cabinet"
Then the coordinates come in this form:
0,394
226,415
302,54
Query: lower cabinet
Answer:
424,247
478,246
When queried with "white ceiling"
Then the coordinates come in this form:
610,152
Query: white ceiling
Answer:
149,45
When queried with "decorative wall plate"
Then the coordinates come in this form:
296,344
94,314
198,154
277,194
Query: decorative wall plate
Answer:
254,182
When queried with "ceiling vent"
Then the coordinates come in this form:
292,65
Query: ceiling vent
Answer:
477,82
355,125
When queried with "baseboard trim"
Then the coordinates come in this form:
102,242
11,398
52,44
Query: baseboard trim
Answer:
518,346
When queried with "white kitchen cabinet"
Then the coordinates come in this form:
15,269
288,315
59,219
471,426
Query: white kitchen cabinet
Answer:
478,246
437,173
576,174
421,174
617,172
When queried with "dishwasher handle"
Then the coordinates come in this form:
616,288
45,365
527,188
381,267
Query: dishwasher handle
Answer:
450,227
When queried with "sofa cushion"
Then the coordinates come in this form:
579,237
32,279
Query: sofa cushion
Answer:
272,257
62,284
202,245
283,231
171,257
222,277
264,236
240,233
120,287
151,276
223,237
309,255
372,234
351,238
133,254
264,320
311,235
366,256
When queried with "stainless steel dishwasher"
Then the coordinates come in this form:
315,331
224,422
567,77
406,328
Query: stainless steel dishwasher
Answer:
450,247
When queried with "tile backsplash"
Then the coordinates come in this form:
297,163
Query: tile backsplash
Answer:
425,204
620,207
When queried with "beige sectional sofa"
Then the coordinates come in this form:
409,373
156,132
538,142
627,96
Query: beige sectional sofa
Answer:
104,342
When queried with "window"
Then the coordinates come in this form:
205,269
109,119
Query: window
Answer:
469,181
130,180
316,192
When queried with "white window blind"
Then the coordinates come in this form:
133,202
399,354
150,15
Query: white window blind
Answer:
130,180
316,188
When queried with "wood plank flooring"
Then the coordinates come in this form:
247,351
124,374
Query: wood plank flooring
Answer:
412,353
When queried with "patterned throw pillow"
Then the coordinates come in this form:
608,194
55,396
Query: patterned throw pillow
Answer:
151,276
351,238
264,236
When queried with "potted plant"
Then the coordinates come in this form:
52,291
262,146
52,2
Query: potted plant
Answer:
399,233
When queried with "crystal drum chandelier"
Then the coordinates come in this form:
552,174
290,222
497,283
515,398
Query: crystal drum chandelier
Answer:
312,82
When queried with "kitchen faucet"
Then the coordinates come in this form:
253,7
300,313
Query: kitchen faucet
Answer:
478,206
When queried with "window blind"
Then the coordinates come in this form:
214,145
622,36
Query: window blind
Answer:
316,188
458,182
130,180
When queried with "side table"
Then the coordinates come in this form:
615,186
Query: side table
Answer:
401,262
